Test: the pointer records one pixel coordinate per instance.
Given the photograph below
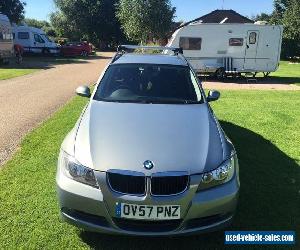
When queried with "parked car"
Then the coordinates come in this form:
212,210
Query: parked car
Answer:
147,155
225,49
34,40
76,49
6,39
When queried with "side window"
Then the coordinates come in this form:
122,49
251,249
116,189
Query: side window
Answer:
14,35
5,36
23,35
190,43
38,38
252,38
236,42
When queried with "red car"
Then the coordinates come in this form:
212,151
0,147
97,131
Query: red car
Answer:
76,49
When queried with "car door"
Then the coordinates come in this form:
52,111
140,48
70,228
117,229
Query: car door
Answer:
251,50
39,43
79,48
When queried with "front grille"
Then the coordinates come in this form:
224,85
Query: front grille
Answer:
127,184
147,226
169,185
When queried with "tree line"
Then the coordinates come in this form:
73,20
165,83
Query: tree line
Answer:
102,21
286,13
139,21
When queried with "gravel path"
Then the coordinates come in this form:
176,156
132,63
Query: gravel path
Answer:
28,100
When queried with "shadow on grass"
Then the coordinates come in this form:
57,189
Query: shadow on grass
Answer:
282,80
260,80
269,200
47,62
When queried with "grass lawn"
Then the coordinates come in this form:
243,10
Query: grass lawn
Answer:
263,125
287,73
7,73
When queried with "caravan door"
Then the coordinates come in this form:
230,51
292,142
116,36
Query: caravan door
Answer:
251,50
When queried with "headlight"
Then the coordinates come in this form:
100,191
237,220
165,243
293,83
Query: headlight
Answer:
219,176
74,170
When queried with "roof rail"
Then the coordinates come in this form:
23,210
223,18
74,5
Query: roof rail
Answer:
125,48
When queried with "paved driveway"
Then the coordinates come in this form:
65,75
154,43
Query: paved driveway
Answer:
27,101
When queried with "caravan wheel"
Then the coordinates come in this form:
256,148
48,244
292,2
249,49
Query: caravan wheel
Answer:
220,74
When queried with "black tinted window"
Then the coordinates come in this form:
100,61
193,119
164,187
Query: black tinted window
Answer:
23,35
190,43
148,83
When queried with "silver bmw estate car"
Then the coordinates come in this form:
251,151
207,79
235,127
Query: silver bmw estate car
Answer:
147,155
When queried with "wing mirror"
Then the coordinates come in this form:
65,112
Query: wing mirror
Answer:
213,95
83,91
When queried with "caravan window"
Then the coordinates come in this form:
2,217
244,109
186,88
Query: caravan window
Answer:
190,43
5,36
23,35
252,38
236,42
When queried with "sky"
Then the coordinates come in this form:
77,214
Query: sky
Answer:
186,10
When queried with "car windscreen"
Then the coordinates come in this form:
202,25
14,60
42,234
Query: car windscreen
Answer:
149,83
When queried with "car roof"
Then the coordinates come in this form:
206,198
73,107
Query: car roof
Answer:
150,59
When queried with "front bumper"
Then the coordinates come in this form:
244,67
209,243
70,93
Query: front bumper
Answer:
93,209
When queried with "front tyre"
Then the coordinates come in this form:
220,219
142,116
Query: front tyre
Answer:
84,53
46,52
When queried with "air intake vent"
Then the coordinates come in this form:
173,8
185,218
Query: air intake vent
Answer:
127,184
169,185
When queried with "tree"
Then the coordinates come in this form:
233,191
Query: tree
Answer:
14,9
87,19
144,20
63,27
262,17
36,23
44,25
291,22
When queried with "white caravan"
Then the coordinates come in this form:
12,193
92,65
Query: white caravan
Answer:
34,40
6,39
226,49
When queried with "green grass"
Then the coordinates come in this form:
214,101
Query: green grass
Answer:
11,73
287,73
263,125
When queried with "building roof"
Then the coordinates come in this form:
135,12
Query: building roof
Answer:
151,59
221,16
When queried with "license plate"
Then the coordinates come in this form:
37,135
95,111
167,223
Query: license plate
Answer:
147,212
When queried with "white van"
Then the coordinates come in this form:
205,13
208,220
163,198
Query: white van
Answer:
6,39
226,49
34,40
